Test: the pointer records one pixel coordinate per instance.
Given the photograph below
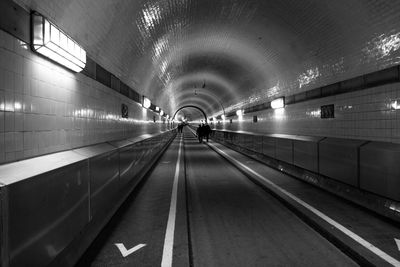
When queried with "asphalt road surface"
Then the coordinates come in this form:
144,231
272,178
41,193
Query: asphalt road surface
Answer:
196,209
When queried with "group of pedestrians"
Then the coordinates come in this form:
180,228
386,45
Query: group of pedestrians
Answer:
203,131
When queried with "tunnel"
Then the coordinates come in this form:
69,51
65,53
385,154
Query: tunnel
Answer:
192,107
199,133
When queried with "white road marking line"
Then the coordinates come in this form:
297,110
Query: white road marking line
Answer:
326,218
126,252
169,235
397,243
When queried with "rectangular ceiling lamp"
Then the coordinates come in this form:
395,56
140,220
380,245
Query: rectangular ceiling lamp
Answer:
146,102
278,103
52,43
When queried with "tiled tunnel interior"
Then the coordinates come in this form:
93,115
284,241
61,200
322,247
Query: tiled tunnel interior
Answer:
239,55
335,64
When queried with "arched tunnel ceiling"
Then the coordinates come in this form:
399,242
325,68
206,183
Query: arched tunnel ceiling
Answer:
239,52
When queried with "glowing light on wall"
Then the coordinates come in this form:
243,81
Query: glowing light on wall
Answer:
161,112
52,43
314,113
240,113
23,45
17,106
158,109
278,103
146,102
395,104
223,117
279,114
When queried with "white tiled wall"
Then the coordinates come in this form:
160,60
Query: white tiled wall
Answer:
45,108
365,114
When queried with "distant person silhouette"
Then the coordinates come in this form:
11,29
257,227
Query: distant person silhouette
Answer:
207,131
199,132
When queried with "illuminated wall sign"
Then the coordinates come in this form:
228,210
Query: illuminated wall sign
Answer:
146,102
278,103
52,43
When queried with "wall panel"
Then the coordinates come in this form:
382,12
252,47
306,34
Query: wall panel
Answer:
45,108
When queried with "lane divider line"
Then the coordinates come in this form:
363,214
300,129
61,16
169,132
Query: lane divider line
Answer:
169,234
188,206
383,255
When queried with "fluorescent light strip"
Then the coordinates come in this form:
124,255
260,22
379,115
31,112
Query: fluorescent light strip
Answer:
278,103
57,58
239,112
54,44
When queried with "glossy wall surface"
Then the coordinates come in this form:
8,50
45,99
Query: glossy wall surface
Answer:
236,52
45,213
49,202
366,115
230,56
379,169
361,164
45,108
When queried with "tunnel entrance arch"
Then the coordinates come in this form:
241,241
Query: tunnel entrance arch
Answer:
191,106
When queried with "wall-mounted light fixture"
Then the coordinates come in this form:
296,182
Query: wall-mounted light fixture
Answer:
52,43
239,112
161,112
223,117
157,108
395,104
278,103
146,102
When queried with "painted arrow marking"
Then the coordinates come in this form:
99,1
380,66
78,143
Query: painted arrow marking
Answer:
397,243
126,252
